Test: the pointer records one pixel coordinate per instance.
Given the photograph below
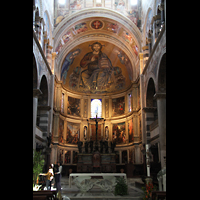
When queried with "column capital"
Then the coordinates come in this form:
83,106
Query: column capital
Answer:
159,96
36,93
49,47
144,48
161,6
47,108
53,55
141,55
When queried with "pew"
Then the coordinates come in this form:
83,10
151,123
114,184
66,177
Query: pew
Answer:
45,194
39,197
158,195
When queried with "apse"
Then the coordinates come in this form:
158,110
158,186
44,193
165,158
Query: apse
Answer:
109,70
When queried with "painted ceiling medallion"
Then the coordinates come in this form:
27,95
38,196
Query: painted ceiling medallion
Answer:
96,24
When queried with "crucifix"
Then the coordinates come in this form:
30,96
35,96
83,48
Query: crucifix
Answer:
96,120
97,24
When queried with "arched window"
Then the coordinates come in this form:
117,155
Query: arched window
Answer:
96,108
62,103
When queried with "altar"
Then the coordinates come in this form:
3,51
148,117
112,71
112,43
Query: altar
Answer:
86,181
96,162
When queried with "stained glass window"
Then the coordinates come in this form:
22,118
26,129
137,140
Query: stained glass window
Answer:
96,108
62,103
129,102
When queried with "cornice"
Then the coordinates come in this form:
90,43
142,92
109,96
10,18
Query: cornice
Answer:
36,92
47,108
115,94
159,96
149,109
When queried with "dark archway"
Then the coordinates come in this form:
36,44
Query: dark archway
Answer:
35,77
150,102
43,98
162,75
42,114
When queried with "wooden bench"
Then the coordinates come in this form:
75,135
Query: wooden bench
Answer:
158,195
39,197
44,194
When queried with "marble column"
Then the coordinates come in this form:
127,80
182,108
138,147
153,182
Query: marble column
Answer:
45,42
56,127
161,106
149,119
71,160
36,93
49,55
142,99
128,155
53,61
161,8
37,23
141,62
137,154
120,157
65,132
134,98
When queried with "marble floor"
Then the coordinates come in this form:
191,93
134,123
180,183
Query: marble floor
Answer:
96,193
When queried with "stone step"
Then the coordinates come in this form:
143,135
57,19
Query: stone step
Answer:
101,196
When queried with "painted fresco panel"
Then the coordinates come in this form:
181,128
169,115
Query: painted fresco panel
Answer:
73,133
73,107
119,133
76,4
60,130
118,106
130,130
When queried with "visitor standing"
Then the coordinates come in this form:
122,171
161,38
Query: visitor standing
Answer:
57,177
49,177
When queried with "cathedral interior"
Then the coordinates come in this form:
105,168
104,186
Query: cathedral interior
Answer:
99,83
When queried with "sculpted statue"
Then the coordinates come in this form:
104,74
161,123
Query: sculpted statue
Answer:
106,146
80,146
91,145
86,146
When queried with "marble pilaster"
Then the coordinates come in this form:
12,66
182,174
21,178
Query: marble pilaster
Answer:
161,106
36,93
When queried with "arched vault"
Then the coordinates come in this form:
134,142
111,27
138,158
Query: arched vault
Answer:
112,29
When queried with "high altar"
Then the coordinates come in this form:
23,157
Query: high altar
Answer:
101,159
96,162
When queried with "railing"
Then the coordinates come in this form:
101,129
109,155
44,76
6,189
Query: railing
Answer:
154,48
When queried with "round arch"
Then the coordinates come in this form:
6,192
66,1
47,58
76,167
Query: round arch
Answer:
120,44
150,92
144,26
47,19
43,98
35,73
96,12
161,74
